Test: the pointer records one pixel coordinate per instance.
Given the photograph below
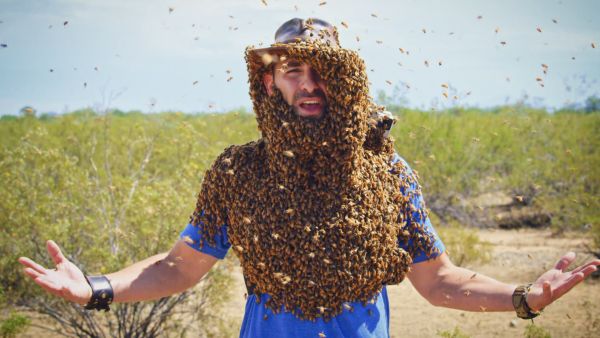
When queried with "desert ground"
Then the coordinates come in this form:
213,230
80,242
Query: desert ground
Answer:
518,256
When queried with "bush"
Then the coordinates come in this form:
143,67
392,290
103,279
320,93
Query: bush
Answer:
13,325
110,194
534,331
455,333
463,245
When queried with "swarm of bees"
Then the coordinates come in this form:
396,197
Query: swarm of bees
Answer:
314,209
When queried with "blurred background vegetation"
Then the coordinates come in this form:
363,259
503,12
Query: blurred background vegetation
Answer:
115,187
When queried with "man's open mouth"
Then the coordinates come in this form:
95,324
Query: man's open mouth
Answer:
311,108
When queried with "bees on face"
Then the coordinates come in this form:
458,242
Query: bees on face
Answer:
314,214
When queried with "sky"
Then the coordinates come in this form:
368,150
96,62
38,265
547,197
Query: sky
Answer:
187,55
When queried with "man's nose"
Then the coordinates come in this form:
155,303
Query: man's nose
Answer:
309,81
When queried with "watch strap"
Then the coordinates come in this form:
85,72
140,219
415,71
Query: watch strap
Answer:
102,293
519,300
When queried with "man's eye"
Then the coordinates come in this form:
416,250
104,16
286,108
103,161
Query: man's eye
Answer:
293,70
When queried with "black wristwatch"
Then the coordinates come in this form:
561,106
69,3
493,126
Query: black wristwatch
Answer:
102,293
519,299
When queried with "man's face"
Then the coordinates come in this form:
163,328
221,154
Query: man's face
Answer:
301,87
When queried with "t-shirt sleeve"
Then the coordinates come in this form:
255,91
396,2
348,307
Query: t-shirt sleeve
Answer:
192,236
436,247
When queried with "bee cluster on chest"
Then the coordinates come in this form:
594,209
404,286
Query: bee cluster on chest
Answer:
314,211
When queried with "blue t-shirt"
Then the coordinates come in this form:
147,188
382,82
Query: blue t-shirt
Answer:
372,320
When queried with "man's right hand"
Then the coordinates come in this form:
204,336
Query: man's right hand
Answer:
65,281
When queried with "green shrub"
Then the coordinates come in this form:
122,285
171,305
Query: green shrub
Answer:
13,325
535,331
455,333
463,245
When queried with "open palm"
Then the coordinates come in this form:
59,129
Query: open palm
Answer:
556,282
66,280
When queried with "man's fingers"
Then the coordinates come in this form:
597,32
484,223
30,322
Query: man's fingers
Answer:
55,253
588,270
547,290
32,273
587,265
31,264
567,285
565,261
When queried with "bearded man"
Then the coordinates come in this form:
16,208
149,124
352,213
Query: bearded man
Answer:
320,211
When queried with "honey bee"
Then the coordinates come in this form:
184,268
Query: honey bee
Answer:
345,24
323,3
264,2
266,183
288,153
539,30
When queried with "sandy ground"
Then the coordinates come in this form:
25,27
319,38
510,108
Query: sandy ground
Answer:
518,256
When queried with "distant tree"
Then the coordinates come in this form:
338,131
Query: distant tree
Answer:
592,104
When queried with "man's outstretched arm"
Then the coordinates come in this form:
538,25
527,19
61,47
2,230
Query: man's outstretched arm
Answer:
444,284
153,278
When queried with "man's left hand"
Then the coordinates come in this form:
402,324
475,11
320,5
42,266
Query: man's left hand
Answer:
556,282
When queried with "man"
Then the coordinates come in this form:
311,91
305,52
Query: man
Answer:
320,211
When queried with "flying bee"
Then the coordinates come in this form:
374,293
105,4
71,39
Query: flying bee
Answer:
345,24
539,30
